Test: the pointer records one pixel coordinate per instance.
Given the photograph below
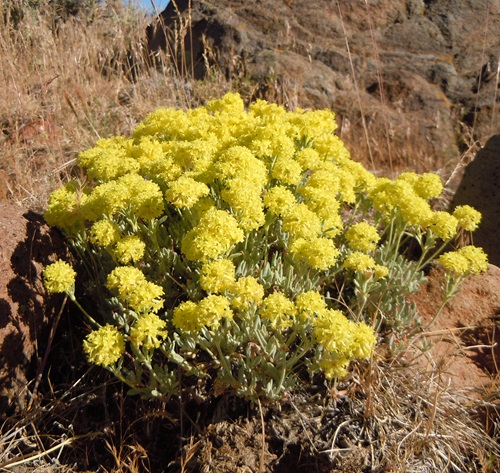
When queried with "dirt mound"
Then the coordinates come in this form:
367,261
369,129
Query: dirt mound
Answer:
26,313
465,337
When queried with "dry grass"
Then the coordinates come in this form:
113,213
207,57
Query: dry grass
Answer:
64,85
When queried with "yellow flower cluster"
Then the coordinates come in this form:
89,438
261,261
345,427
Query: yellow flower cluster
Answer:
319,253
279,310
216,233
104,233
59,277
468,217
104,346
217,276
185,192
362,237
408,196
343,341
399,195
245,292
148,331
466,260
133,289
191,317
129,249
359,261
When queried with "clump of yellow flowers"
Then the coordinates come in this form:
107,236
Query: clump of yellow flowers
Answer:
241,249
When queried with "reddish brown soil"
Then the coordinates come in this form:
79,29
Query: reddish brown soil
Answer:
465,337
26,246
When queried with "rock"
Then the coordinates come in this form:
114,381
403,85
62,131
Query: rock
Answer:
26,312
413,71
479,187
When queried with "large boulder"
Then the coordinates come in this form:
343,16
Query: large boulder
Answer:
403,75
479,186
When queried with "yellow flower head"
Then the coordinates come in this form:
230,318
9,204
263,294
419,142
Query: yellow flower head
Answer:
364,341
300,222
59,277
245,201
334,332
144,197
319,253
217,276
239,162
191,317
215,234
443,225
148,331
246,292
334,366
109,159
279,310
104,233
359,261
467,260
105,346
186,317
185,192
362,237
65,207
310,304
477,258
468,217
287,171
278,198
427,185
388,195
133,288
129,249
308,158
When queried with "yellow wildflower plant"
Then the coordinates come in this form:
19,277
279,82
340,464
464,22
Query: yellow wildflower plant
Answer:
216,233
134,290
466,260
443,225
186,191
310,304
301,222
235,246
319,253
359,261
278,198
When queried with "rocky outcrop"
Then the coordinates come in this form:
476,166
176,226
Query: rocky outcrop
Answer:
405,77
